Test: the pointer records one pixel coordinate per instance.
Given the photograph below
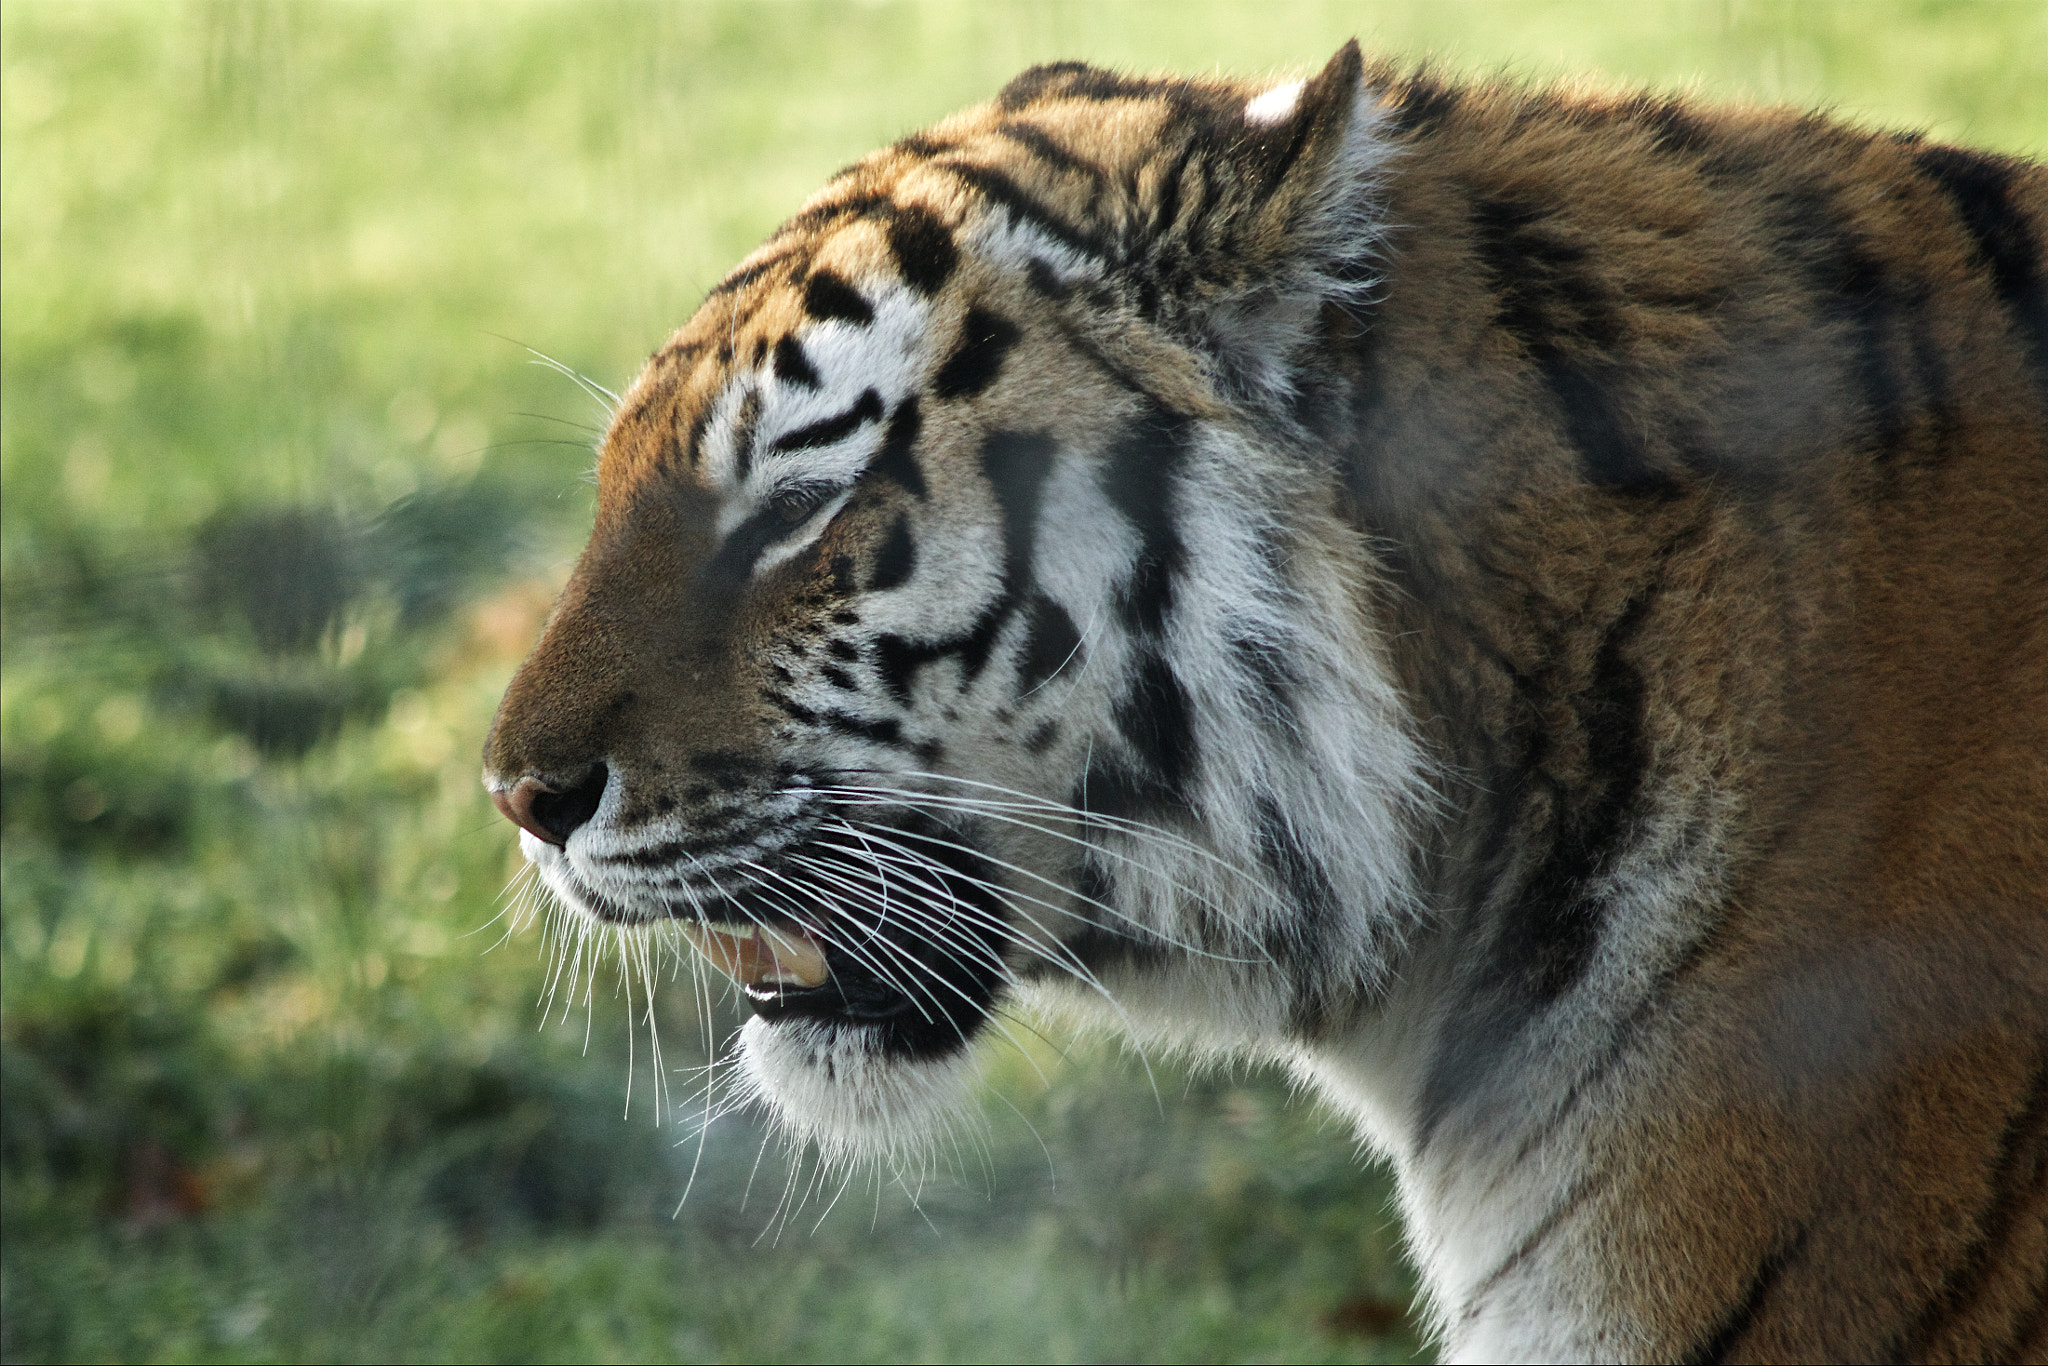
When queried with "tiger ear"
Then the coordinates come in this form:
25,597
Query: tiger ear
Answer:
1267,217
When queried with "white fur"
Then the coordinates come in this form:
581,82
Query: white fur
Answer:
1275,106
830,1088
888,355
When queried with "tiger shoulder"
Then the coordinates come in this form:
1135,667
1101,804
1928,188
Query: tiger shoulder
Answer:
1527,609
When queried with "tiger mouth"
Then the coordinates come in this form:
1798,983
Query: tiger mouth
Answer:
918,963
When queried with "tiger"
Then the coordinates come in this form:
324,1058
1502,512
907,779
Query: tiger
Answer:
1524,607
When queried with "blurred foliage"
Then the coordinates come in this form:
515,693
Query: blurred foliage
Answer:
284,503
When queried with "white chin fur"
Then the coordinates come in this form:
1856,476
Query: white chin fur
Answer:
831,1086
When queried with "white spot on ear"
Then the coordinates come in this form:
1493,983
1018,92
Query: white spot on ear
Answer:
1274,106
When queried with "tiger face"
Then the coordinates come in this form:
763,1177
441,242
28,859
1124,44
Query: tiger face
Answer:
875,674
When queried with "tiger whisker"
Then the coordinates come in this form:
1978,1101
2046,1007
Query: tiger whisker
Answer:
942,941
851,951
896,797
1112,911
941,944
1067,961
1122,824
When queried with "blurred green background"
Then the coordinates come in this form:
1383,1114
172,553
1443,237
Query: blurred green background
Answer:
285,500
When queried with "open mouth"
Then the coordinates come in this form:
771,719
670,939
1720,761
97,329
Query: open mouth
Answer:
765,960
913,953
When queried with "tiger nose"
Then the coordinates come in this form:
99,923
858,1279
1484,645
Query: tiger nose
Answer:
548,813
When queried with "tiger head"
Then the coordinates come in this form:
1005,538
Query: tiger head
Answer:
966,611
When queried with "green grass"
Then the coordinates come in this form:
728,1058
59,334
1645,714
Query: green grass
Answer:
284,501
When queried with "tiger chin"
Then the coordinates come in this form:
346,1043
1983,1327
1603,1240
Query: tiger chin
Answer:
1527,609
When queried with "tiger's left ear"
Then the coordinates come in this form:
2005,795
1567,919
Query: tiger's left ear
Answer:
1264,215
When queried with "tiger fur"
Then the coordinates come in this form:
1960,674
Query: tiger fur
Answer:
1528,609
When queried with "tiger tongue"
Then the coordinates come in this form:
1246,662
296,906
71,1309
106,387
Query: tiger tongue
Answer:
760,956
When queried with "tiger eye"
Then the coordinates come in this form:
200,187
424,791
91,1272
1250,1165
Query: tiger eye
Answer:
793,505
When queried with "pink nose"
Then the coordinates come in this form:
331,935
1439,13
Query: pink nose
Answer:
553,808
517,807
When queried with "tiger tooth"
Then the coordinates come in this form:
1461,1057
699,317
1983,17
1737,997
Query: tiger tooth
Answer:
794,958
724,946
756,956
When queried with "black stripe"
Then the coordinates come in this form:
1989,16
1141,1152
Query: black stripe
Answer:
924,249
1051,643
1171,189
1980,186
1080,81
1000,189
1568,321
1299,131
974,647
693,443
1111,786
1197,242
1550,937
1139,481
1728,1333
828,296
1032,84
1869,310
1044,280
886,731
1042,145
924,145
1607,444
1157,720
2017,1175
896,560
1674,128
985,339
1305,942
867,408
1545,937
897,459
1093,83
726,571
792,366
899,661
1553,1219
746,275
743,426
1621,1039
1273,680
855,206
1421,102
1016,465
729,770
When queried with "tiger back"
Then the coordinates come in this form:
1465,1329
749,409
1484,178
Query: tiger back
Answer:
1527,609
